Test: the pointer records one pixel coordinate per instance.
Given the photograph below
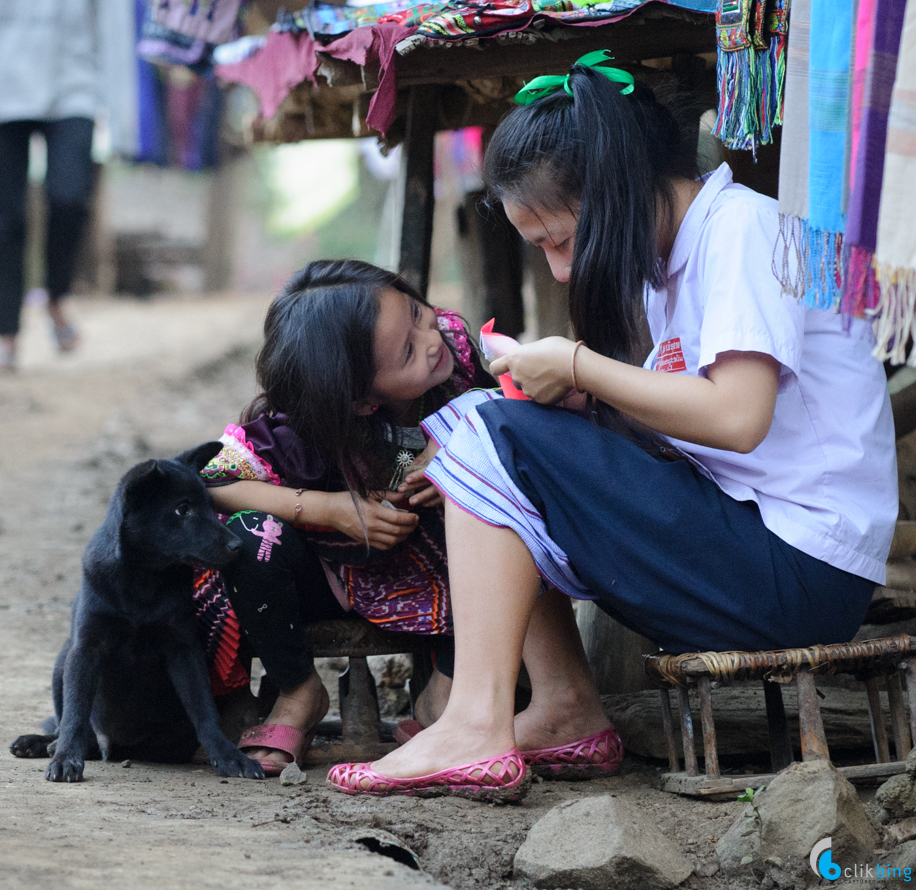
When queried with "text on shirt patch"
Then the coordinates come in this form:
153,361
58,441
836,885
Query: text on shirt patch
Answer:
670,356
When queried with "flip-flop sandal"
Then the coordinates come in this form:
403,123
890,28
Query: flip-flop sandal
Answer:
406,730
285,739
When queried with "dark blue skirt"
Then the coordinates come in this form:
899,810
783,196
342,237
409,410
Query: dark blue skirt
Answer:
661,548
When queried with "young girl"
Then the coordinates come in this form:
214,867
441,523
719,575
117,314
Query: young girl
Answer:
761,519
324,481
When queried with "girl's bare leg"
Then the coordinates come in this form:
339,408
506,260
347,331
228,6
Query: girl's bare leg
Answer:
494,587
565,705
432,700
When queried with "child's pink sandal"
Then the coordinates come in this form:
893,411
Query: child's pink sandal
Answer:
285,739
593,757
501,779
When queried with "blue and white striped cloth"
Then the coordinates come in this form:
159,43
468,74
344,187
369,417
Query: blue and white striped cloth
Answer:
468,471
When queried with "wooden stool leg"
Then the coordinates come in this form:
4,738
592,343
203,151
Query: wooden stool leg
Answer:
690,754
911,694
710,754
668,726
902,743
359,714
781,754
813,740
878,732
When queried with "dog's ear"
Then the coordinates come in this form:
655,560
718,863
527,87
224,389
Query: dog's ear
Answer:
200,456
138,480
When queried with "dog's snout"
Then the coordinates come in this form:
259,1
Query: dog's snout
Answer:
234,544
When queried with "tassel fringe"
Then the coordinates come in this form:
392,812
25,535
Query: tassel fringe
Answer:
751,94
894,321
808,263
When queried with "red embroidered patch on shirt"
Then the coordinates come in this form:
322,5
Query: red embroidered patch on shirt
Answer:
670,356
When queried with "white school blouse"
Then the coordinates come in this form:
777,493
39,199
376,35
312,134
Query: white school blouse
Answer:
825,477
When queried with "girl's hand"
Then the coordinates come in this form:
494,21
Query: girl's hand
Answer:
385,527
540,369
415,488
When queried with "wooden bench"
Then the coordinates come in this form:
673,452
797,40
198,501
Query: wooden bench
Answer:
356,639
871,661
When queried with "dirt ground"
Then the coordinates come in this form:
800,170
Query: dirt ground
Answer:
151,379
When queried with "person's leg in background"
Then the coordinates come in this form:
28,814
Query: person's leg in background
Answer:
14,168
68,186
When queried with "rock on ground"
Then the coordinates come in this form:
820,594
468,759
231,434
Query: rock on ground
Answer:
803,804
897,796
598,843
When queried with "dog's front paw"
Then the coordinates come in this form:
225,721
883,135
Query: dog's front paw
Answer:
238,766
65,769
32,746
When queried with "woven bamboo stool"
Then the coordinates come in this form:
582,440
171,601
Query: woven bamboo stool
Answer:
869,660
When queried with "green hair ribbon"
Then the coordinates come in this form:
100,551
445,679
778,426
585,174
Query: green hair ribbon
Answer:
550,83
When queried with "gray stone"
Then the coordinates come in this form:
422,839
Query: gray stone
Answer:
391,671
292,775
897,796
803,804
597,843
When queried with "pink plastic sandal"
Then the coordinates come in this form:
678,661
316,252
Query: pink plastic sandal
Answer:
285,739
406,730
501,779
593,757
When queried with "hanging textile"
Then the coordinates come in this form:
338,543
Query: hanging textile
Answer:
828,110
212,21
878,27
750,68
789,259
895,258
811,209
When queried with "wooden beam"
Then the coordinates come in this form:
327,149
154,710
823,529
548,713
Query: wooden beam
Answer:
702,786
634,39
419,198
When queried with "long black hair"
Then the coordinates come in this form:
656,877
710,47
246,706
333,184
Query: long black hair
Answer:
611,160
318,361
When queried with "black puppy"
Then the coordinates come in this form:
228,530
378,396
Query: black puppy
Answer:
133,670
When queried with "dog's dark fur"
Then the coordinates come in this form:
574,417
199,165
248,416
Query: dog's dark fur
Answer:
133,671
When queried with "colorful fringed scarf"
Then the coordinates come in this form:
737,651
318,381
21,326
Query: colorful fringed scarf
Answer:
790,257
813,159
751,66
895,258
828,114
878,27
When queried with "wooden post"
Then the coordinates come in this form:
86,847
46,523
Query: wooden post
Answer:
690,754
710,754
878,732
911,693
780,742
219,246
615,653
359,714
898,716
668,727
491,266
419,197
813,740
